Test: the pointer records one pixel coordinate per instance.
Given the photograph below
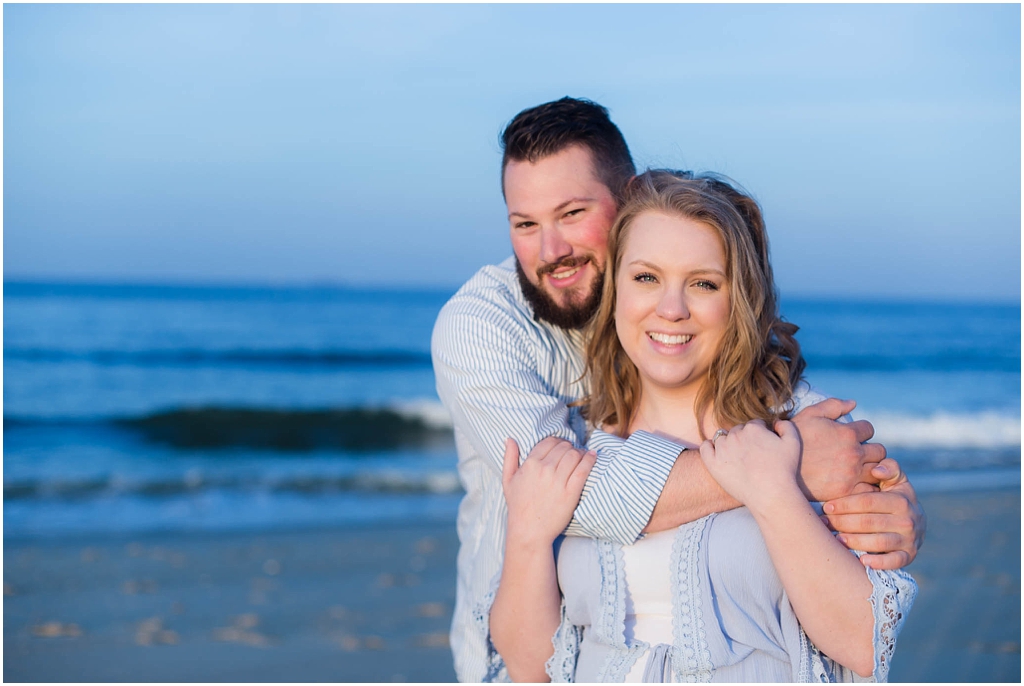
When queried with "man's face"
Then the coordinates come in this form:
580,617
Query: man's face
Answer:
559,215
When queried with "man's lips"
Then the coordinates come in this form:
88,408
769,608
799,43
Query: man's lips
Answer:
565,275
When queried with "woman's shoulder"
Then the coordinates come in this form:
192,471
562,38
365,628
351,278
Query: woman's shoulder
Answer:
804,395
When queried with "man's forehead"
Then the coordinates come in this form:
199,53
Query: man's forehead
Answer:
552,182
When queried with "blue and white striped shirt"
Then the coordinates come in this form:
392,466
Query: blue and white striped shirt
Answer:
502,374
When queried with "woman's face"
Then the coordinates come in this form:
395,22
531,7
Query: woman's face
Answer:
672,299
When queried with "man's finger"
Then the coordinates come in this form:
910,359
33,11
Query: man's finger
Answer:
885,503
889,473
511,462
872,543
865,487
873,452
831,408
862,429
894,560
867,476
871,523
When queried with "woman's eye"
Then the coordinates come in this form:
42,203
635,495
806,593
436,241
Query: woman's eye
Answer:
707,285
645,277
573,213
524,225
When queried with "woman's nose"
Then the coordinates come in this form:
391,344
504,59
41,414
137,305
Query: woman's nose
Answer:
672,306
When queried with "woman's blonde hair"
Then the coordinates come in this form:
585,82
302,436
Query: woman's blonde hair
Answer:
758,364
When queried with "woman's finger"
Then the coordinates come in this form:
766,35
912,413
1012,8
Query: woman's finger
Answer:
567,463
578,479
510,463
787,430
707,450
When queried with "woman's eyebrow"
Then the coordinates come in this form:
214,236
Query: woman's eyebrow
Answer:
649,265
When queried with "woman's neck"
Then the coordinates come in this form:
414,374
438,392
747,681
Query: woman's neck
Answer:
671,413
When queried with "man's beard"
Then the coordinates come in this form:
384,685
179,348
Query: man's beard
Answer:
574,315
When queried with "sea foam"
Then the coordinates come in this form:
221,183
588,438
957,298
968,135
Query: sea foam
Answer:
989,429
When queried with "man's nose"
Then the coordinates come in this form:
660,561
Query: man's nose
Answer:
553,247
672,305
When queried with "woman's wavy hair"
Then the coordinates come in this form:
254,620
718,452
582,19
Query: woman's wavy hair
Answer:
758,364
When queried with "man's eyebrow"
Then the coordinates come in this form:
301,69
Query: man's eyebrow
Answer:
558,208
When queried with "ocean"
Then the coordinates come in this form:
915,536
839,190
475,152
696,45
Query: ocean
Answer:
192,408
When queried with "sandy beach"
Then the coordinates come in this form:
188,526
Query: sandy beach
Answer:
374,603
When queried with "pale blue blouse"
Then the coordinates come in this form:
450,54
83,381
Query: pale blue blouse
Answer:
732,620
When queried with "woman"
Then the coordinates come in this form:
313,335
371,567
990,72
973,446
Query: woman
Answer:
688,343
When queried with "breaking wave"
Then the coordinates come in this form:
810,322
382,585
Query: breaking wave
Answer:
194,482
404,425
946,430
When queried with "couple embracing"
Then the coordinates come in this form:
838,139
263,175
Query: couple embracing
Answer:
673,518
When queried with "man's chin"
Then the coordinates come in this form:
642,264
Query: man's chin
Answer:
571,315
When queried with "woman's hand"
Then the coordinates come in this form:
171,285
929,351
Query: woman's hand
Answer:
543,492
755,465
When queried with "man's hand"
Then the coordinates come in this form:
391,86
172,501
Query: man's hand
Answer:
543,492
835,458
889,525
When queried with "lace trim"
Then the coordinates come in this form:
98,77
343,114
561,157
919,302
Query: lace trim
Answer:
691,658
561,667
892,597
610,624
815,667
496,670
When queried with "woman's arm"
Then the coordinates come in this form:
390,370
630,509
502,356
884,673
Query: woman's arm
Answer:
541,496
827,586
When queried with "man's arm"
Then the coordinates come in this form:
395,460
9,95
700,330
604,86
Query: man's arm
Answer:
489,377
833,462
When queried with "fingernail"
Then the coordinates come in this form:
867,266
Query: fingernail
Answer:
842,539
824,520
881,469
829,507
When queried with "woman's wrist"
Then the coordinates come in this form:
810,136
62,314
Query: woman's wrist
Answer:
771,500
526,538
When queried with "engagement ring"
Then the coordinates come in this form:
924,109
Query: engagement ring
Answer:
719,434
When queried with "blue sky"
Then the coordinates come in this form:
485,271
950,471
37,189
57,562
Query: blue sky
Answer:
359,144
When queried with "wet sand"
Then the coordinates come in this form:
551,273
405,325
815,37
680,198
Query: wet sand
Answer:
374,604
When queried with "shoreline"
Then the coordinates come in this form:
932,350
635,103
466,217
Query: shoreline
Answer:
373,602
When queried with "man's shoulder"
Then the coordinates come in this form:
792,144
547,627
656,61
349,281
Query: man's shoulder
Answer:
492,299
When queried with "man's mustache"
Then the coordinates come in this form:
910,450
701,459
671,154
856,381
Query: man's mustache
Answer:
567,263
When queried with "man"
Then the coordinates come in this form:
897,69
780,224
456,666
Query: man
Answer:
507,357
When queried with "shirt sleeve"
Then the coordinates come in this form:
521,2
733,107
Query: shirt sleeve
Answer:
488,376
624,485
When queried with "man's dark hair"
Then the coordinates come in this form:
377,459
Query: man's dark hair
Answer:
547,129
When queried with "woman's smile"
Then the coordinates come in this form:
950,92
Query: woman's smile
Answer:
672,302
